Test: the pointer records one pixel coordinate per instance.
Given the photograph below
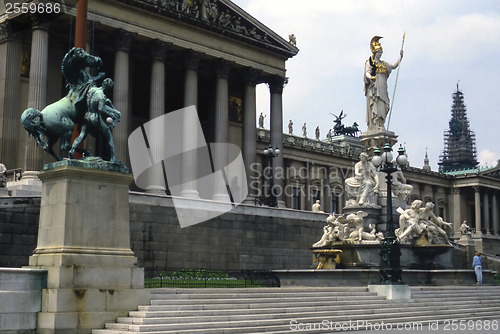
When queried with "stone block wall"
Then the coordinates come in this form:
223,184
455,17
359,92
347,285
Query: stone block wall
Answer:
21,299
18,229
246,238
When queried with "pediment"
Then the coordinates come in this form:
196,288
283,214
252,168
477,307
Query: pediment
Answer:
492,172
222,17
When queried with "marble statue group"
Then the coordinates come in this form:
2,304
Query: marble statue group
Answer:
362,188
419,221
348,229
86,106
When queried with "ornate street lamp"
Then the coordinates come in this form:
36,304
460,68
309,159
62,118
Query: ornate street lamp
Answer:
271,153
390,250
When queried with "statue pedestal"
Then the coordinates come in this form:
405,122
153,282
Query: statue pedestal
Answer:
84,243
374,139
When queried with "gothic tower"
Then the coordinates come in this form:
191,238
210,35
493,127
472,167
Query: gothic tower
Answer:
459,141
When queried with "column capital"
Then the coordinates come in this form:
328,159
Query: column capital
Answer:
39,21
276,84
456,191
159,49
7,33
223,68
251,76
477,188
123,39
192,60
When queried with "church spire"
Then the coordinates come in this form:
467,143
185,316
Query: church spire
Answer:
459,141
427,166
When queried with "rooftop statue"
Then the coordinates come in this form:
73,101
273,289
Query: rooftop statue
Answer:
85,104
341,129
3,178
377,72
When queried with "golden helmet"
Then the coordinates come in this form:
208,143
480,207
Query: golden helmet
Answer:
375,44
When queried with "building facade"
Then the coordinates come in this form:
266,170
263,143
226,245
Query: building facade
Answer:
166,55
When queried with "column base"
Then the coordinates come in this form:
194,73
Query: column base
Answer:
193,194
156,190
221,198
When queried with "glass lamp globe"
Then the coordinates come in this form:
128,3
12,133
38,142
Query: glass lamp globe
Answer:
401,159
376,159
387,155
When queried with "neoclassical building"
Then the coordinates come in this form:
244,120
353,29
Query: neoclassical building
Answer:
169,54
162,56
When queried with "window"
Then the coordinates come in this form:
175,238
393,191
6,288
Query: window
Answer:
335,203
296,198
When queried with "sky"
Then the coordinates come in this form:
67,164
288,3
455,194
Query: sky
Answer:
447,42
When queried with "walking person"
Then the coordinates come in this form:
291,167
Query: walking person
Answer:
478,268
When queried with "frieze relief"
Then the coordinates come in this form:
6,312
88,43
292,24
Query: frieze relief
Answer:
215,14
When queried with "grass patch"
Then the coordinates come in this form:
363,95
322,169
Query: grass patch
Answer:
202,278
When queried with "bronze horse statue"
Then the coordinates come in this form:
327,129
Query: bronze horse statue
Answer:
85,105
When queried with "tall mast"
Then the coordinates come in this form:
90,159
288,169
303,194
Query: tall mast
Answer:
80,42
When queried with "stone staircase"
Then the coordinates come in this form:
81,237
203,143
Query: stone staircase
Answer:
310,310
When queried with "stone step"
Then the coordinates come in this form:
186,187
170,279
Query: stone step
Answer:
281,329
203,296
196,291
261,299
415,310
248,326
275,310
308,309
251,305
238,311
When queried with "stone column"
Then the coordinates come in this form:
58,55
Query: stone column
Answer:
121,93
487,223
37,91
276,86
435,199
495,213
250,132
156,109
189,185
457,216
477,207
10,87
221,124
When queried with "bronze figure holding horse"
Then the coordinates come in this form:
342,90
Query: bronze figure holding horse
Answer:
86,104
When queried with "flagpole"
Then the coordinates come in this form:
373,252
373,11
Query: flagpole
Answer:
395,83
80,42
81,24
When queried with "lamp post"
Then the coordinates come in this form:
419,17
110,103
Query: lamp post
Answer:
390,250
271,153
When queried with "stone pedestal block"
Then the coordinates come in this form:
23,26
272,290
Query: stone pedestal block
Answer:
84,243
378,138
392,291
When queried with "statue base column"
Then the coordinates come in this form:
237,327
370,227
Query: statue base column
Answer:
84,243
377,138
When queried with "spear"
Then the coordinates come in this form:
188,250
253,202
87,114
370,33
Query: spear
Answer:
396,82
